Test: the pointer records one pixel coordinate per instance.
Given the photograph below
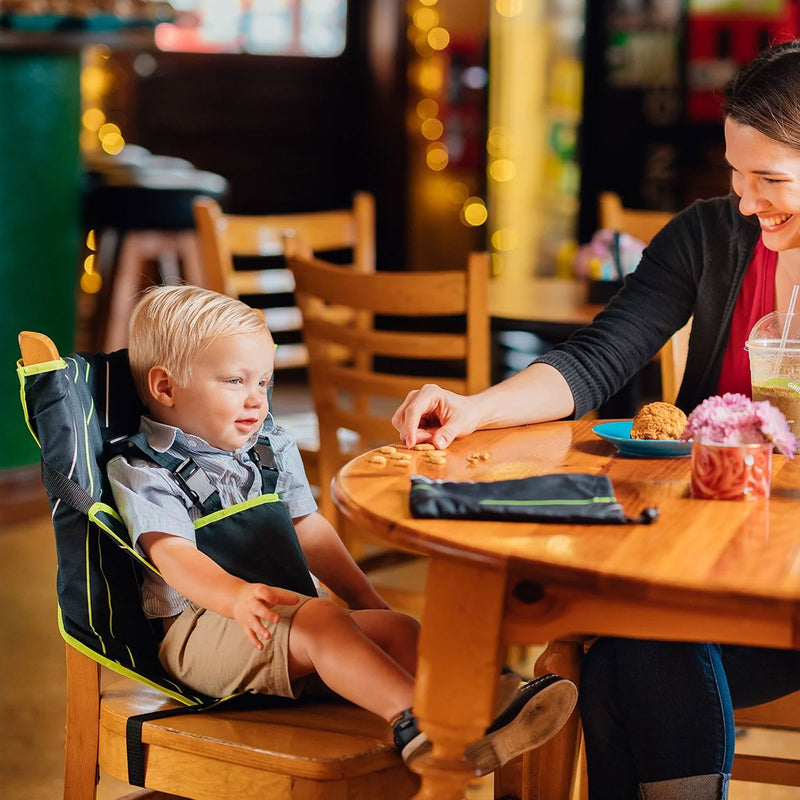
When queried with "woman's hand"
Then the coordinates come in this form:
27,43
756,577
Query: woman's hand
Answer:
436,415
252,609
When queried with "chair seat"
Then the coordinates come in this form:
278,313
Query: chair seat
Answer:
266,750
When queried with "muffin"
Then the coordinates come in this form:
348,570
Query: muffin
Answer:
658,421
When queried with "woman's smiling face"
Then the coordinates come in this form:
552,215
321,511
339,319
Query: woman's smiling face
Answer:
765,174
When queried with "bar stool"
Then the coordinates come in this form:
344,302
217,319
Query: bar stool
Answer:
141,213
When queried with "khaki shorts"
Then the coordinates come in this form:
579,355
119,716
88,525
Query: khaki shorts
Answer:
211,654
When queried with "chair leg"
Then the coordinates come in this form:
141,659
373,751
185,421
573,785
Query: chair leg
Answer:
83,726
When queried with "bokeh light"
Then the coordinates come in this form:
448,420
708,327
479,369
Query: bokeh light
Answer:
505,239
508,8
502,170
427,108
432,128
474,212
437,157
439,38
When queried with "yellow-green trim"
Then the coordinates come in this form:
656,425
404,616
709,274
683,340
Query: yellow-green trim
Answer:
115,666
272,497
43,366
118,668
98,507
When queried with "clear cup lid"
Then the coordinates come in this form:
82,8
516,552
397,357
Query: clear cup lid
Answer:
768,331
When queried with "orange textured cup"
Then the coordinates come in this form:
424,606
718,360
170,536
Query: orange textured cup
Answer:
731,471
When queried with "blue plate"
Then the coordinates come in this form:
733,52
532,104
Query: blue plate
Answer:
619,434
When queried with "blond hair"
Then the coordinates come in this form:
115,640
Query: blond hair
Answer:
171,325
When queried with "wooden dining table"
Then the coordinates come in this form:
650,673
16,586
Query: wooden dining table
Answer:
727,571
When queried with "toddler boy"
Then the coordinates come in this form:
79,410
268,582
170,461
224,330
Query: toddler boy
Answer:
213,492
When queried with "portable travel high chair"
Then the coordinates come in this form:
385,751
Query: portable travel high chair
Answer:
326,750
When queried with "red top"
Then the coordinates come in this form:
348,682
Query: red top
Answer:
756,298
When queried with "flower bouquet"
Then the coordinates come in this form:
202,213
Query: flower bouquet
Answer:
732,442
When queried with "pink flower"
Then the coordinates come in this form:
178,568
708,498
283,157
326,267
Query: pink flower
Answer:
736,419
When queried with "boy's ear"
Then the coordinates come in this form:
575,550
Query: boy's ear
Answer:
159,385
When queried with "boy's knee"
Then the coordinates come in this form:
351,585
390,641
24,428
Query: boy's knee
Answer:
408,625
322,610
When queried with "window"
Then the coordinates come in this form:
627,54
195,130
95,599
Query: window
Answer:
266,27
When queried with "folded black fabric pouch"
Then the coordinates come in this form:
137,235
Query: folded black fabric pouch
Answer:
563,497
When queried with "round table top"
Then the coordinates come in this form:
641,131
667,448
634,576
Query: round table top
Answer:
703,547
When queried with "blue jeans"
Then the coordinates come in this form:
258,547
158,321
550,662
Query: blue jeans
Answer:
657,711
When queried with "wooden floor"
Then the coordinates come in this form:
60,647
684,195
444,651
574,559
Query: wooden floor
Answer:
32,673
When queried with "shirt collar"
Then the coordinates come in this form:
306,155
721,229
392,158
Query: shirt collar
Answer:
163,437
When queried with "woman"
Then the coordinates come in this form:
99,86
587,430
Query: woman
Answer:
658,717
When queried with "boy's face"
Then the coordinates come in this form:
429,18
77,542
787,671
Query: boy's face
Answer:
225,400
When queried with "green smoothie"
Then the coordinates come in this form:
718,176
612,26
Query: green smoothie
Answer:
784,394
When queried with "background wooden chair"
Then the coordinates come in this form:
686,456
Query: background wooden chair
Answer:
558,767
242,256
644,224
428,326
320,750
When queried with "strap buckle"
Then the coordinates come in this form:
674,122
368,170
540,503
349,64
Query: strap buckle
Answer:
193,481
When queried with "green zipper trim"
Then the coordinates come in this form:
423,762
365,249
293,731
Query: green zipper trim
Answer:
272,497
587,502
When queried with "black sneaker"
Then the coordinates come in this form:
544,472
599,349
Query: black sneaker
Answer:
536,714
412,743
408,738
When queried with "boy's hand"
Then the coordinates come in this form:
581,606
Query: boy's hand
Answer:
253,607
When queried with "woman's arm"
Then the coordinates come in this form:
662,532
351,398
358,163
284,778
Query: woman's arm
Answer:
432,414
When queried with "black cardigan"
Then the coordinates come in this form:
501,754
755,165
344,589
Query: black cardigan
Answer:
693,267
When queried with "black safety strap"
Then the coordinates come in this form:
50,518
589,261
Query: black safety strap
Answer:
133,736
193,481
133,728
68,490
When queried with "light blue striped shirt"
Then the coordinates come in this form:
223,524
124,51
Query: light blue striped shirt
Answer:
149,499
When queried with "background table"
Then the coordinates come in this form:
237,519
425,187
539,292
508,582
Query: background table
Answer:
530,315
727,571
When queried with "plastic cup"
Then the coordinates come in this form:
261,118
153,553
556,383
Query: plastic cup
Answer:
774,350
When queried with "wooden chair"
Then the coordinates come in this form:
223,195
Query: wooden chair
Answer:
224,237
644,224
320,750
360,373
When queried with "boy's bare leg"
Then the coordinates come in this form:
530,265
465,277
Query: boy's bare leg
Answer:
325,639
395,633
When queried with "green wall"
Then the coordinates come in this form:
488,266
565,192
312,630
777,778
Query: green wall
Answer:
39,220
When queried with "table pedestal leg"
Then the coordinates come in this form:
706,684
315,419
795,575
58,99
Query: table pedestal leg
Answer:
458,670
